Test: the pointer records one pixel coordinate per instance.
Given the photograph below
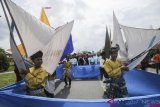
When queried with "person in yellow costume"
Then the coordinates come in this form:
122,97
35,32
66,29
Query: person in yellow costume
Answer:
36,77
67,71
115,70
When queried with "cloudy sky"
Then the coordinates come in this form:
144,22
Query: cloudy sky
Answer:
90,16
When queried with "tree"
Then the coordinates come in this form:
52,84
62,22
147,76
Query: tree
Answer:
4,65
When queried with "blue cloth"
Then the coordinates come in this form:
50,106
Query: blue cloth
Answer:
68,49
143,88
80,72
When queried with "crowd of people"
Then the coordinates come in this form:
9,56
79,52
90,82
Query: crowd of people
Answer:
78,59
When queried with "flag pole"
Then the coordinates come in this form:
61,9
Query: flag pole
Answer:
11,28
16,28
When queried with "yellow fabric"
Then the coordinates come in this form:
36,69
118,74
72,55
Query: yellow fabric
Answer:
113,68
67,65
36,78
20,48
44,18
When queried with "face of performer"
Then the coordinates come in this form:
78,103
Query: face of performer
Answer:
38,62
114,55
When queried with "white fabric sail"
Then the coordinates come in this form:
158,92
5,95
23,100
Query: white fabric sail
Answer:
136,62
118,39
38,36
141,56
138,39
54,49
17,56
34,33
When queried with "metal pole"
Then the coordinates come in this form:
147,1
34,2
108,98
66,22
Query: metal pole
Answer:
11,32
16,28
11,28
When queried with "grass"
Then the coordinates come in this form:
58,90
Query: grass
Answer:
7,78
11,66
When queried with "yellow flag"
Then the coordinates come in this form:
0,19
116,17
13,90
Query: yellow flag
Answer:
20,48
43,19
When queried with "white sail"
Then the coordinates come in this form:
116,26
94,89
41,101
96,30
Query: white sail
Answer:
141,56
137,39
17,56
34,33
118,39
38,36
54,49
136,62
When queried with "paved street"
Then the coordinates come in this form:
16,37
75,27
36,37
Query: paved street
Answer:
80,89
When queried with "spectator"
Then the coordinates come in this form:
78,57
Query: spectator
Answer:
74,61
91,60
157,61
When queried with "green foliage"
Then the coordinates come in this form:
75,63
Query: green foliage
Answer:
3,60
7,78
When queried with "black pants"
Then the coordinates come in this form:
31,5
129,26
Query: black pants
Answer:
157,67
117,88
65,80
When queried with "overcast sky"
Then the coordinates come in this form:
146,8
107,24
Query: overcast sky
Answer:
90,16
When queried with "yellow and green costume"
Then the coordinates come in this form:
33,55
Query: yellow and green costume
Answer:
116,87
67,72
35,80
